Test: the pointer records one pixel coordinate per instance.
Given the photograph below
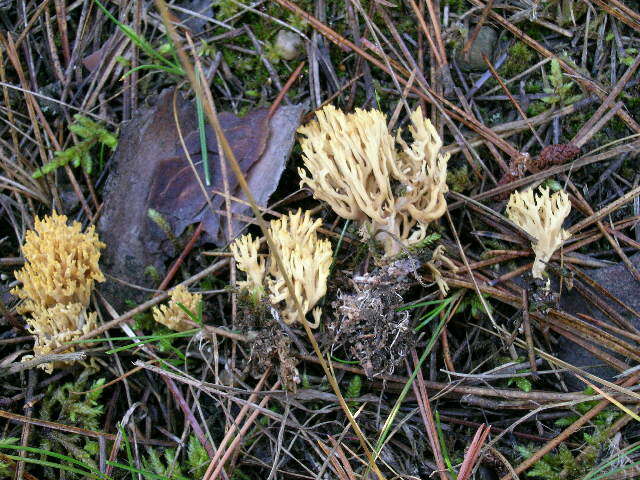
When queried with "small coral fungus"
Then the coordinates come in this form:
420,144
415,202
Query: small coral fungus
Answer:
61,268
541,216
306,260
245,251
172,315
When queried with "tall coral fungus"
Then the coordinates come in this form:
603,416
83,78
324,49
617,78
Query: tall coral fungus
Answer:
61,268
306,260
353,165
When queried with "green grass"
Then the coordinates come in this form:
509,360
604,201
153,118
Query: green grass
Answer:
405,390
72,465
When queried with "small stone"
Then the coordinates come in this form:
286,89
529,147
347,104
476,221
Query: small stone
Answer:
485,43
288,44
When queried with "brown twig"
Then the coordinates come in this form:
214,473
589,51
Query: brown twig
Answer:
287,86
526,325
471,457
424,404
188,414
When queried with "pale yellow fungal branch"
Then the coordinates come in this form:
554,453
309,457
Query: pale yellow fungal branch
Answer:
55,326
306,259
60,270
437,259
174,317
541,216
245,251
354,166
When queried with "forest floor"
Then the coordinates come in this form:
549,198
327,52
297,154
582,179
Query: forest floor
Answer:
445,359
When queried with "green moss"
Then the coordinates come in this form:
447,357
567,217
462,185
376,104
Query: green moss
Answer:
535,31
563,464
520,58
574,122
75,403
631,101
460,179
629,169
458,6
536,108
533,87
227,8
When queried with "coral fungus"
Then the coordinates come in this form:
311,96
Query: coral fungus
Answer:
172,315
61,268
306,260
353,165
541,216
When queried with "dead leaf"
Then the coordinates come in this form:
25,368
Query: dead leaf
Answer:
151,171
175,191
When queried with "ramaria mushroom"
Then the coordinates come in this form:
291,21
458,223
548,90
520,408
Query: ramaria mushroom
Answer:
354,166
541,216
60,270
57,326
245,251
172,315
306,260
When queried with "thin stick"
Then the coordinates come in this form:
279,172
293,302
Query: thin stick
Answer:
287,86
526,325
422,397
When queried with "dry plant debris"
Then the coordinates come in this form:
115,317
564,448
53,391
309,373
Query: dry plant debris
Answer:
550,155
61,267
367,323
541,216
354,166
172,315
553,155
270,346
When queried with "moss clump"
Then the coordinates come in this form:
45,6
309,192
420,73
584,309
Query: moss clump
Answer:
78,403
460,179
520,58
536,108
458,6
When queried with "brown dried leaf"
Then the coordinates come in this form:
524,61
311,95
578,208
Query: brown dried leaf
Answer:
175,191
151,171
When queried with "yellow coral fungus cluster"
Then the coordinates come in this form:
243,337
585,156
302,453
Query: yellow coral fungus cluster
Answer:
61,268
306,259
245,251
355,167
174,317
541,216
